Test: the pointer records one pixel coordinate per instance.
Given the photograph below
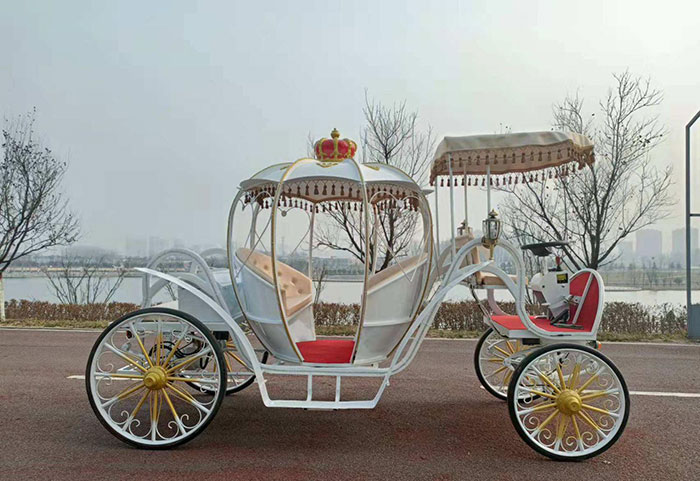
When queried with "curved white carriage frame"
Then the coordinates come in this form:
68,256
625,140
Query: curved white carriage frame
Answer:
445,270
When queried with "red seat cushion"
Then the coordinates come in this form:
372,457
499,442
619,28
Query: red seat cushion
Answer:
327,351
513,323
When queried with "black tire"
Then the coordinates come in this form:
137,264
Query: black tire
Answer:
239,387
217,351
514,417
249,381
477,368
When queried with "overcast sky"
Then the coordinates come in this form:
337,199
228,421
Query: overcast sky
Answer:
162,108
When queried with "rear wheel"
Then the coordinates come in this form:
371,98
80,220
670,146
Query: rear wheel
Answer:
139,378
568,402
489,362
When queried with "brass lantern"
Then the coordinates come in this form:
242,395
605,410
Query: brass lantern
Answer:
492,230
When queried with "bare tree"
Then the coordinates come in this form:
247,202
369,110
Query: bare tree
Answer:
33,212
391,136
622,192
84,281
320,275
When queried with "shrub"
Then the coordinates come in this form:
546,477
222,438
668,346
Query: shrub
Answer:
620,319
46,311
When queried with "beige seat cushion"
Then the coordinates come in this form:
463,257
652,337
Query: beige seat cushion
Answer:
296,288
488,279
476,256
395,271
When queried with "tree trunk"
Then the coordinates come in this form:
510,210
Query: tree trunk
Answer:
2,299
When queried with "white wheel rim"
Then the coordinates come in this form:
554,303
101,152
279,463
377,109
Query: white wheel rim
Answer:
492,355
138,353
237,371
236,368
569,402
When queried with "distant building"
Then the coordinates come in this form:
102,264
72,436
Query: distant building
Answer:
156,244
649,243
678,244
136,247
626,251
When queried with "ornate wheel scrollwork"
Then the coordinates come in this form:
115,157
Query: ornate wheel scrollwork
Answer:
568,402
141,373
490,361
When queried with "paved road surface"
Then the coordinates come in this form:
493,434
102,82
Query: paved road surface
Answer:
433,423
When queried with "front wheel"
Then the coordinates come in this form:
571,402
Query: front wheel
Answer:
139,378
240,375
568,402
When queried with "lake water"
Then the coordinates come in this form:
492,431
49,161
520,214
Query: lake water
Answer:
38,288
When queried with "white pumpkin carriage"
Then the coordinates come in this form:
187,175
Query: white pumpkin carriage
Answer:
157,376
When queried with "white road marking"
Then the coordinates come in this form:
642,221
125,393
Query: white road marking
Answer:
80,376
660,393
666,394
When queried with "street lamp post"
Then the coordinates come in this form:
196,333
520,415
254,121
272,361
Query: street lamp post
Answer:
693,311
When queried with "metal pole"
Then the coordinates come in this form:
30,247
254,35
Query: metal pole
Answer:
488,189
311,241
452,208
253,229
693,326
466,210
437,217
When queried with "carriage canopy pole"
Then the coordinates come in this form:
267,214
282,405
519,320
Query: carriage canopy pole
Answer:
253,227
452,209
466,206
437,218
311,243
488,189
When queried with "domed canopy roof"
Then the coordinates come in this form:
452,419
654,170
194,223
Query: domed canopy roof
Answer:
341,178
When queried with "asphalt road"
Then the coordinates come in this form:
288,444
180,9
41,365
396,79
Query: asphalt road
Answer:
433,423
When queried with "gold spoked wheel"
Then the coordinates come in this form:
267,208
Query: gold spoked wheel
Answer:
568,402
489,361
240,375
140,375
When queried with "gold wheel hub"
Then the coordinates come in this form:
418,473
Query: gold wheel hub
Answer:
155,378
569,402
